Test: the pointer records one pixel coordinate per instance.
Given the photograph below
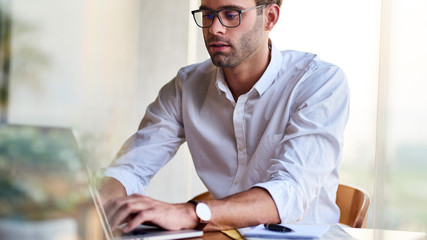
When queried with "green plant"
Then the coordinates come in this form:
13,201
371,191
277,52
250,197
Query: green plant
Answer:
41,175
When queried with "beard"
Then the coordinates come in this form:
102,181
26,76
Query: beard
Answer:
241,50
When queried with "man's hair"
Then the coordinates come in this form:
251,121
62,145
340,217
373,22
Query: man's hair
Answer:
261,2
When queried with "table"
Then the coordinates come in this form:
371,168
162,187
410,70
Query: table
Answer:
336,232
376,234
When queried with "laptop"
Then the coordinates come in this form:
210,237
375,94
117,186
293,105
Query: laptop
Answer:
142,232
57,149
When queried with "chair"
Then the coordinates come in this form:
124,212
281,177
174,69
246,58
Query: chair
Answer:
352,201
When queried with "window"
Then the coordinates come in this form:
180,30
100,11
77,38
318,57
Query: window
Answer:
380,46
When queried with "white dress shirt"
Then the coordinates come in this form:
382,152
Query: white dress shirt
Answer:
285,135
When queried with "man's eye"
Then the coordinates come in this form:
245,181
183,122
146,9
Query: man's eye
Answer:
231,14
208,15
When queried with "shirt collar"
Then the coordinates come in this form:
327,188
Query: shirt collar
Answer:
221,84
271,72
266,79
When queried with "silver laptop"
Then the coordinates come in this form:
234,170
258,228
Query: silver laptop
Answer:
57,149
142,232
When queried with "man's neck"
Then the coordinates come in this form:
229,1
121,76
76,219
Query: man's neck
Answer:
242,78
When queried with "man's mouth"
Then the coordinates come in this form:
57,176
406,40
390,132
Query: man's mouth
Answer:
218,46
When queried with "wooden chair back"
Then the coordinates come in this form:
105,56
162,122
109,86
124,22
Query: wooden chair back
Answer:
354,204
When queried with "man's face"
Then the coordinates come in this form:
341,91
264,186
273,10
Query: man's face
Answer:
228,47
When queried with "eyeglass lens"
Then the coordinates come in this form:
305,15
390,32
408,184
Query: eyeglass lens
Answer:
228,18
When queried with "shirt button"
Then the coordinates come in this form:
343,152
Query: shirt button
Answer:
241,148
236,182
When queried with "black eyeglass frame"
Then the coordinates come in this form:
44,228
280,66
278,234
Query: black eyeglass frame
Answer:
216,13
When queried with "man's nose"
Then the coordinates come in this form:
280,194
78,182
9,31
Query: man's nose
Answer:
217,27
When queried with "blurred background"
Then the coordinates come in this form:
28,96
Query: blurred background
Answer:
94,66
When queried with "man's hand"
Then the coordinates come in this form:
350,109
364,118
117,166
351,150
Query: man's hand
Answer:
137,209
248,208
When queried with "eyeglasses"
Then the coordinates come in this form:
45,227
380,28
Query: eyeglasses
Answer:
230,18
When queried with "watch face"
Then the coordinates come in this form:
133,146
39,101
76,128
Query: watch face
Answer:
203,211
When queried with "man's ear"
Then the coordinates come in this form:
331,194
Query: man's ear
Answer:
271,14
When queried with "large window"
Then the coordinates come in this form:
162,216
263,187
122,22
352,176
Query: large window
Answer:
381,47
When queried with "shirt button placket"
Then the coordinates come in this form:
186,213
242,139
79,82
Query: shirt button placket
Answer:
238,120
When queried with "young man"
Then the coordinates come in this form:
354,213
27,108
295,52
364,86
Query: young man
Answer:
264,127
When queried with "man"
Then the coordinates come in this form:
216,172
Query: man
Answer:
264,127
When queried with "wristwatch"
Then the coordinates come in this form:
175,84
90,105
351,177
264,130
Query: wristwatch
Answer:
203,213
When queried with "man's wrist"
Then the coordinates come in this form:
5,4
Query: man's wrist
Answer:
111,188
194,220
202,212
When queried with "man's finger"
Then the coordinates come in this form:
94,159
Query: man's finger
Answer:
123,209
141,217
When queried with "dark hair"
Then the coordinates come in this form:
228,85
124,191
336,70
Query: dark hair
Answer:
261,2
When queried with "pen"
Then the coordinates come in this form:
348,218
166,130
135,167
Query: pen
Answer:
277,228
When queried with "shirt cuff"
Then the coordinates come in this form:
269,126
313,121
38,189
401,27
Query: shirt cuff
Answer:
129,181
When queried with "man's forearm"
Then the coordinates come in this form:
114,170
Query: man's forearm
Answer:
111,188
249,208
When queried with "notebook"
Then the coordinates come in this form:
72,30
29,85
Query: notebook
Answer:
299,231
